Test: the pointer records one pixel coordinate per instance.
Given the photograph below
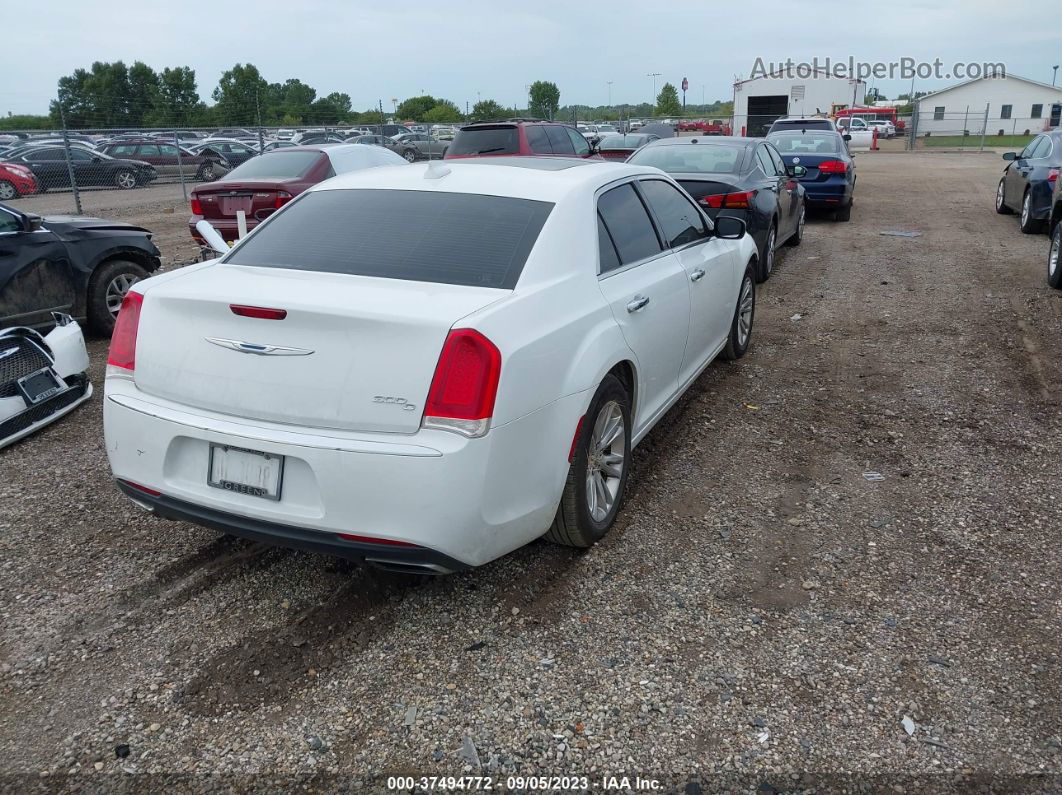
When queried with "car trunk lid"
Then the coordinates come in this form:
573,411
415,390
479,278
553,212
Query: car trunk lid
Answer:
256,198
352,353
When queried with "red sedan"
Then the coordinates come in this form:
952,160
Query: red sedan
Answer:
15,181
262,185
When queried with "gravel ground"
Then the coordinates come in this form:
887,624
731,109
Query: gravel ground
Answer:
761,610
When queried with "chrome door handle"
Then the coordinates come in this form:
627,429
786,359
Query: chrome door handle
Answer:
636,303
697,275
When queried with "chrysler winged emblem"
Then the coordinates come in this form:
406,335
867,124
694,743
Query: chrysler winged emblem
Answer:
259,350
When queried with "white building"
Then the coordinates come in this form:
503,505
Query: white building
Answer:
1016,105
758,101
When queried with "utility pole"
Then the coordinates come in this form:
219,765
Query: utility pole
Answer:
527,88
610,95
653,75
1054,74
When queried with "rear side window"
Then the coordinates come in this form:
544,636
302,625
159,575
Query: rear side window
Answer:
609,258
559,140
446,238
537,140
486,141
628,224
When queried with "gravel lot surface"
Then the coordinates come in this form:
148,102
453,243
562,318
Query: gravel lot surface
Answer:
761,608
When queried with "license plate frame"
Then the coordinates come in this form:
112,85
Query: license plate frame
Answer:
33,395
260,490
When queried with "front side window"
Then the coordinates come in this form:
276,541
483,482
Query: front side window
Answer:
628,224
46,155
9,223
148,150
764,160
168,150
779,164
679,220
457,238
580,144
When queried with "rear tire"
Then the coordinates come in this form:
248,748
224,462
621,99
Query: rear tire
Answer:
124,179
843,213
1028,224
7,191
1001,197
737,343
410,155
767,255
1054,258
593,492
107,287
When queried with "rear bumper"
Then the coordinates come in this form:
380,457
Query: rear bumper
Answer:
455,500
391,557
826,194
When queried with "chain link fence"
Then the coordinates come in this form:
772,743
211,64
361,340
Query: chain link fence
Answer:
973,130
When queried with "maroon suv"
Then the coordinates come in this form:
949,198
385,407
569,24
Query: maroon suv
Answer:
520,138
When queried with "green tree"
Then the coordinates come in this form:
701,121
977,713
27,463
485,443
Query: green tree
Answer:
25,122
545,99
667,101
177,100
297,99
330,110
238,95
143,96
415,107
489,110
98,97
444,111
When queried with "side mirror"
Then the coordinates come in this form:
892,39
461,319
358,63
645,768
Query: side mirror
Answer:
847,137
797,171
33,223
96,159
1010,155
729,228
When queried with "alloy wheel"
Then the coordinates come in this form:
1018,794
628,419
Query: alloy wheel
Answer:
1025,210
1052,257
768,253
606,458
999,195
745,305
116,291
800,222
125,179
7,191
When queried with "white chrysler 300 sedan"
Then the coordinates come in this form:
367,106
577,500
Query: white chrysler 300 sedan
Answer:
424,368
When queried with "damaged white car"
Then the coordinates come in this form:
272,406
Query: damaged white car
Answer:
42,377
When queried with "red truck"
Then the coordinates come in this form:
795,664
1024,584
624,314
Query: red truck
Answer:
715,127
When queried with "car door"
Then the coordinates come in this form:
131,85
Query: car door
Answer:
36,276
773,189
709,265
1017,177
648,291
788,194
149,153
49,166
167,163
559,140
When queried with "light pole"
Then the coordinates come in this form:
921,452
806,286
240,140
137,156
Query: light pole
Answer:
610,95
653,75
1054,74
527,88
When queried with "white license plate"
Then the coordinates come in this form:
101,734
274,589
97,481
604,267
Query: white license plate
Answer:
245,471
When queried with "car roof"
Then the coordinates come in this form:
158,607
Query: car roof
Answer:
708,140
537,178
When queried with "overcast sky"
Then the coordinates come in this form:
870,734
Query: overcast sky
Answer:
463,49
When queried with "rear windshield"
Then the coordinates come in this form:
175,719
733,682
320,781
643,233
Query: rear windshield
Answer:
278,165
447,238
621,142
810,143
485,141
691,158
803,124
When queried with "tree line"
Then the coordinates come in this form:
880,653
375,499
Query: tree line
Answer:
114,95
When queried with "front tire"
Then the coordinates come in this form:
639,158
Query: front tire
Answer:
597,475
1054,258
107,287
206,173
1001,199
124,179
1028,224
410,155
737,343
767,255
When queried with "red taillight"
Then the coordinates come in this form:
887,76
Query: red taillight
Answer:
144,489
1052,175
260,312
833,167
465,384
370,540
197,206
729,201
122,352
283,197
